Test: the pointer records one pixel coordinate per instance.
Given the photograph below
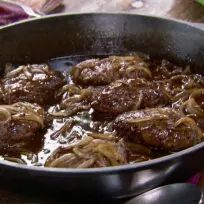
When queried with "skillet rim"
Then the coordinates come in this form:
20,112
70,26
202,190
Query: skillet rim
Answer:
104,170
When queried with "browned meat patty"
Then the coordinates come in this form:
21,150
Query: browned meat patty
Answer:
125,95
107,70
18,132
153,95
20,124
32,83
162,128
115,98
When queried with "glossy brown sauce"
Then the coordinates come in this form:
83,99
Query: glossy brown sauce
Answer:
39,149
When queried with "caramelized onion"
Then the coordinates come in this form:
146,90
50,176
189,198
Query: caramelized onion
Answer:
83,94
74,103
192,106
29,113
138,148
70,160
84,141
16,160
150,118
71,100
110,152
5,115
42,69
104,136
176,77
183,86
88,152
139,68
71,88
61,113
138,103
186,121
88,163
80,154
69,111
63,160
28,70
15,72
23,111
183,95
189,122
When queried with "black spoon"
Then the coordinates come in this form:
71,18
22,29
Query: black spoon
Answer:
179,193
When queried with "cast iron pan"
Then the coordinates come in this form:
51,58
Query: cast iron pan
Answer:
76,35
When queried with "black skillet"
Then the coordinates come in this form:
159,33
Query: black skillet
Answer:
86,35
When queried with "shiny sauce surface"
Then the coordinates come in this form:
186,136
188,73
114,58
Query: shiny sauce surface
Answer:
64,131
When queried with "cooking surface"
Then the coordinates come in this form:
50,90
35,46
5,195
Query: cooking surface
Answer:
107,111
